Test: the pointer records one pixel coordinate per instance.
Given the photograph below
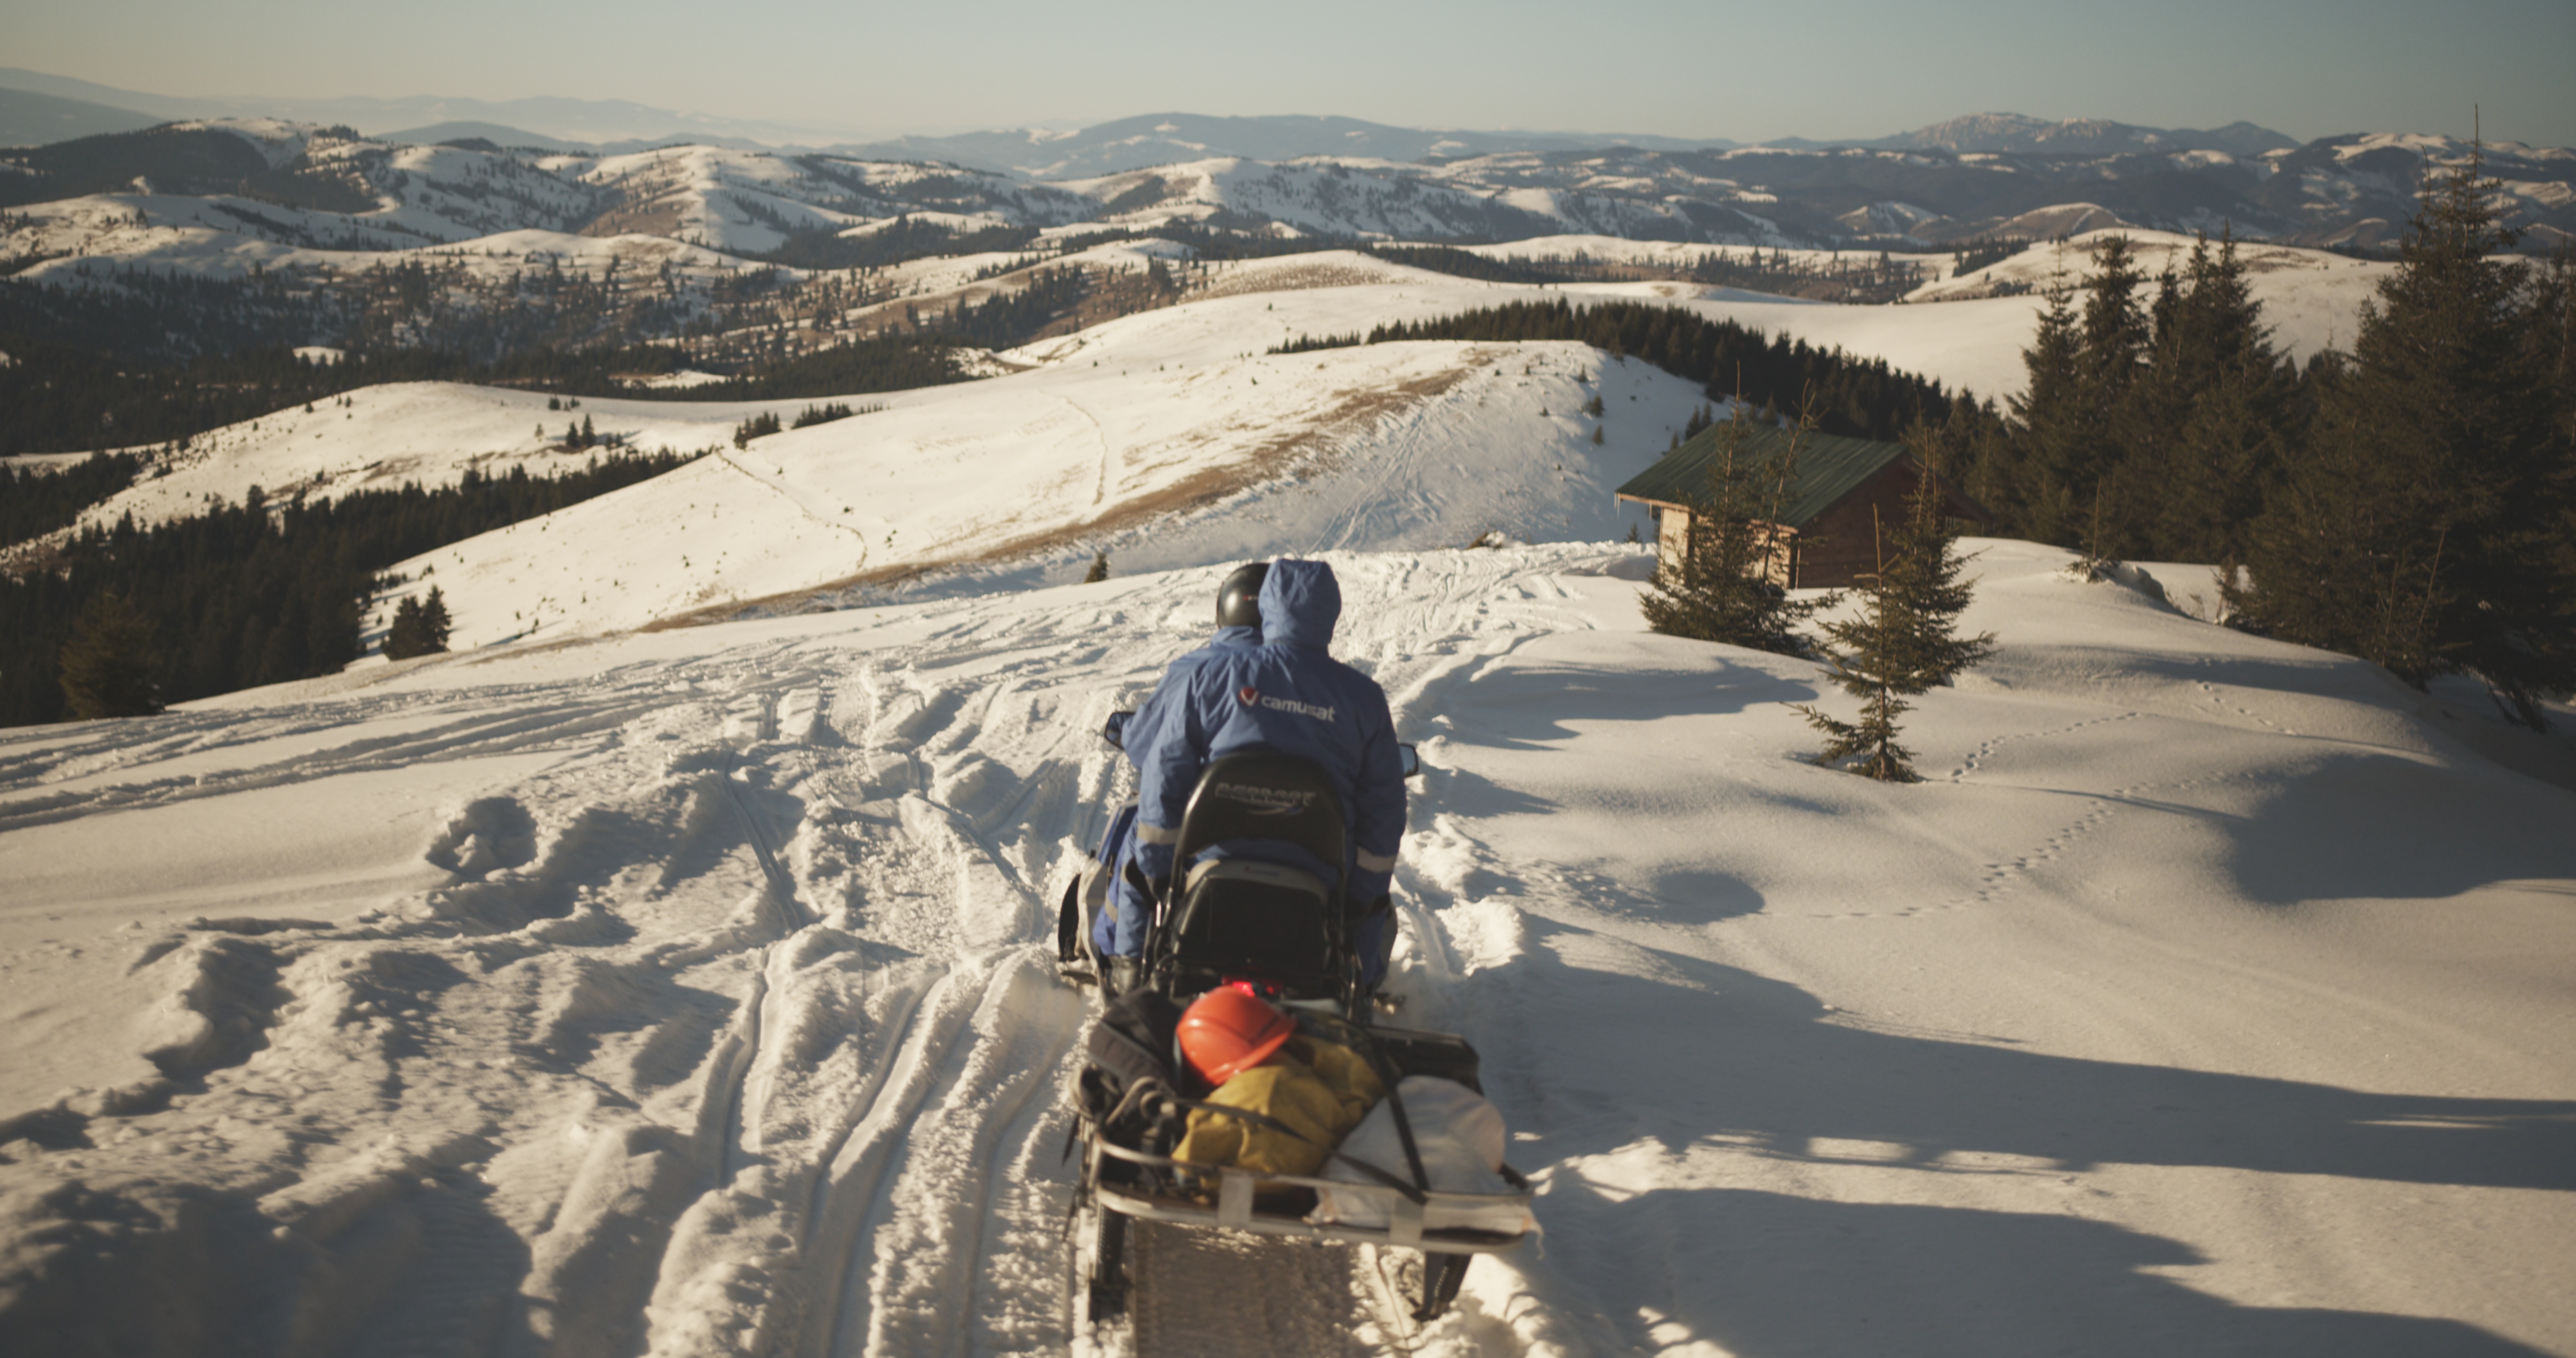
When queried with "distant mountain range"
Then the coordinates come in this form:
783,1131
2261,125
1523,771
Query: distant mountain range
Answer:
306,187
575,122
2015,134
37,109
99,180
1153,139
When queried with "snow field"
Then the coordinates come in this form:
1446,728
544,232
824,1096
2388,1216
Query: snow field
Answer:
2149,1032
2205,999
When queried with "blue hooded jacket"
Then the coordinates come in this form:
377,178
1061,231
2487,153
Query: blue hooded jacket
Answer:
1286,695
1138,734
1117,841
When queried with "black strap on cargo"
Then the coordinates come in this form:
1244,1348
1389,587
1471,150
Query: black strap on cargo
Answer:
1366,1045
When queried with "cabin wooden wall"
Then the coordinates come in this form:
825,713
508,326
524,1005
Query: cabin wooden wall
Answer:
1841,544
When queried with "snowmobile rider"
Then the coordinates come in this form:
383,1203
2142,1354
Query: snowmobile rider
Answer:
1238,628
1287,695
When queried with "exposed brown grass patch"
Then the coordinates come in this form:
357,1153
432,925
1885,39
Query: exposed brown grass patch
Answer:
1295,278
658,217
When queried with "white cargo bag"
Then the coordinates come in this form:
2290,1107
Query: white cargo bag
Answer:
1461,1138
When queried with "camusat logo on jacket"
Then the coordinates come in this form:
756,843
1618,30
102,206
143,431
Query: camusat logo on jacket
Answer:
1253,697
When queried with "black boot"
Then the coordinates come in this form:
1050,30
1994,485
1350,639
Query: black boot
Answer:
1119,975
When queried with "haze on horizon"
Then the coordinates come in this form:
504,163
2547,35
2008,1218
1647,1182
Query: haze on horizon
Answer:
1863,68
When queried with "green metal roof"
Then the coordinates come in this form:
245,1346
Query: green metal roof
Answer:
1829,467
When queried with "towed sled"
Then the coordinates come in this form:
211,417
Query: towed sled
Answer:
1286,934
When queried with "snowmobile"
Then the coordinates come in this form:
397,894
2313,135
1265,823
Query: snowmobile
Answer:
1285,932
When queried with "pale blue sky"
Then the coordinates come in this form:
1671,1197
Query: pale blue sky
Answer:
1826,68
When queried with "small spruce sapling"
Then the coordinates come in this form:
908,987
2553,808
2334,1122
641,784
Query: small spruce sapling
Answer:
2096,564
1904,642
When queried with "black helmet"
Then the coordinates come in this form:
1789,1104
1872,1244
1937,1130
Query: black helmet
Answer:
1238,600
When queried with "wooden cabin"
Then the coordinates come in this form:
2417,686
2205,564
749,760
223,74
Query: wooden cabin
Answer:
1840,491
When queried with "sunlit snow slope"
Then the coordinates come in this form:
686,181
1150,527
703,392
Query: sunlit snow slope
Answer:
690,992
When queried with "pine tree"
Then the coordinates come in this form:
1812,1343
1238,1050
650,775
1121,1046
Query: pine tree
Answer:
1099,568
2037,498
2117,333
1720,590
2423,525
1905,641
434,624
404,639
2553,339
420,627
2072,423
2553,334
110,667
2219,408
1975,439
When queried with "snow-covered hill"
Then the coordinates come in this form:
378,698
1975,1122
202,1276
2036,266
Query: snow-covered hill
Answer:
1166,438
326,196
689,992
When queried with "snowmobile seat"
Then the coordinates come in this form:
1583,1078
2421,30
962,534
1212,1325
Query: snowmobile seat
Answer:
1244,915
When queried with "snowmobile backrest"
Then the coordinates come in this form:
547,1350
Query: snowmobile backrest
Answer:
1241,917
1242,914
1260,795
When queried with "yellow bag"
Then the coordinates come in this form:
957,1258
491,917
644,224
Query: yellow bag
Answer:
1322,1089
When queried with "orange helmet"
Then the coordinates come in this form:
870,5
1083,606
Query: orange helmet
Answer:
1227,1031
